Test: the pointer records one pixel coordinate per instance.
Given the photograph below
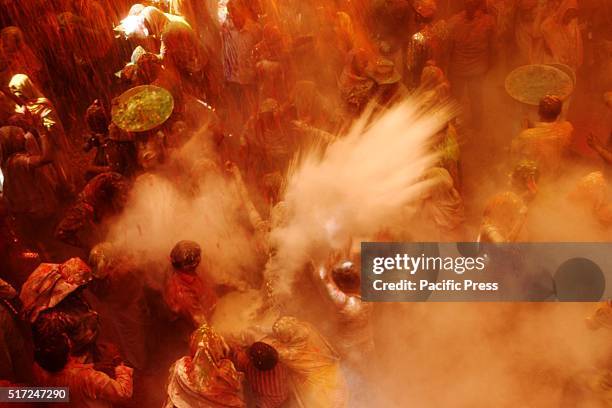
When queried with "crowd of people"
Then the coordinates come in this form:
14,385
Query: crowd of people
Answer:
252,84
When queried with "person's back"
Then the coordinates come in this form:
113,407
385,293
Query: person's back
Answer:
548,141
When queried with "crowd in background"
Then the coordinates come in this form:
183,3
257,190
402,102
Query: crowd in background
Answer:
254,82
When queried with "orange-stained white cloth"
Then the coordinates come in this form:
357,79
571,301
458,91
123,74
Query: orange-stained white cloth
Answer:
314,367
562,38
546,143
89,388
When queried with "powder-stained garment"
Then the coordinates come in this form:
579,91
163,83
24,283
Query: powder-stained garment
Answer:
27,190
313,365
207,378
471,44
425,45
238,47
89,388
16,57
179,43
46,117
562,38
443,204
545,144
270,388
188,296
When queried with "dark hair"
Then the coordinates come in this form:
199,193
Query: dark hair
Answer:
52,323
51,353
186,254
550,108
263,356
346,277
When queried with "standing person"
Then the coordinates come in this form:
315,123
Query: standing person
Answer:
180,48
562,37
240,34
39,110
200,15
427,44
266,376
113,153
356,88
29,193
19,57
176,43
186,293
527,34
472,40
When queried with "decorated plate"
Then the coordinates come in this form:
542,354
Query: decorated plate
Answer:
530,83
142,108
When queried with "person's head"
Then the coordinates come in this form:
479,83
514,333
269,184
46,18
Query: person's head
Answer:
7,108
268,113
472,6
51,354
151,150
11,39
206,337
571,13
550,108
101,259
263,356
273,36
524,177
425,10
96,118
148,67
272,184
347,277
6,290
22,87
136,9
12,141
186,256
237,12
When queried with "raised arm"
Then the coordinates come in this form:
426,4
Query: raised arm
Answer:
338,297
100,386
254,216
596,145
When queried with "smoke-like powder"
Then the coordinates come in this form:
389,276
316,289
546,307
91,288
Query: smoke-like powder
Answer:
361,182
193,201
